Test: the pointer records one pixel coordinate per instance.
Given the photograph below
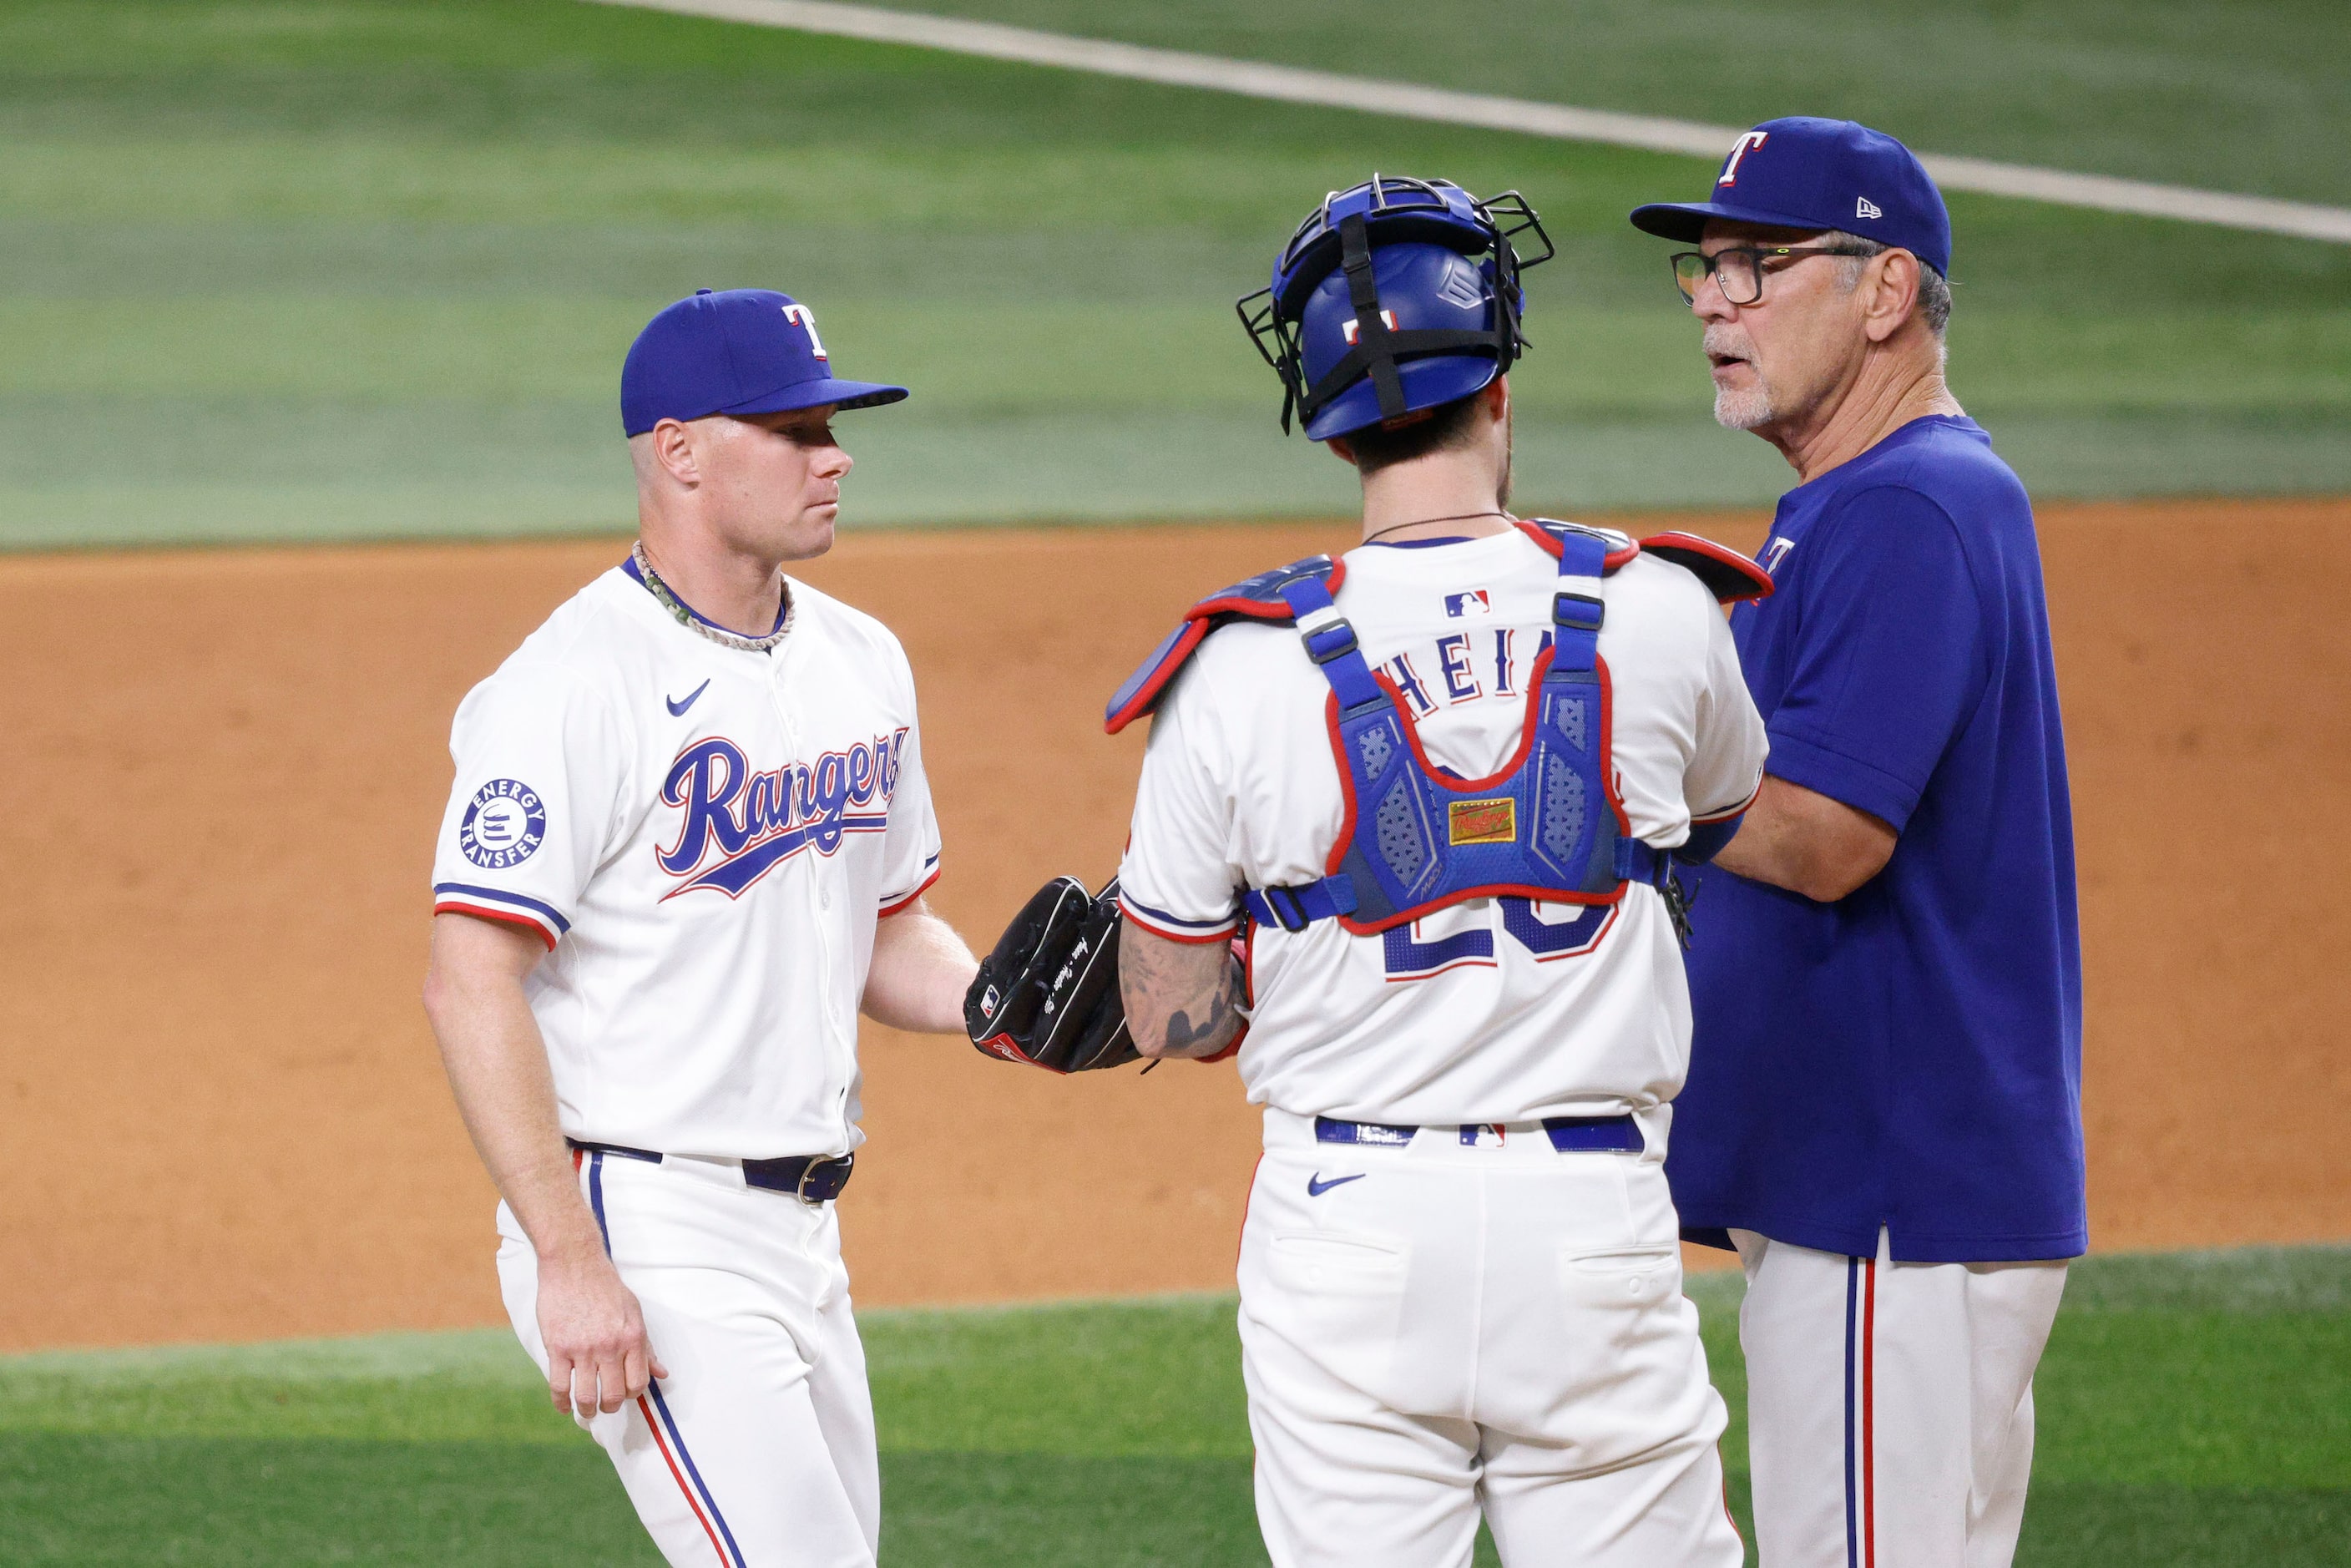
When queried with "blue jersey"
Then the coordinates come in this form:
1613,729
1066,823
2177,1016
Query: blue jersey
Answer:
1910,1055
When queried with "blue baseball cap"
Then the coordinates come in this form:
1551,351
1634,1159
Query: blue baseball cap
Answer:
739,350
1807,174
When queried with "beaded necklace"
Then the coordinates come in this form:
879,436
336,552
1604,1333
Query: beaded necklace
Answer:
692,623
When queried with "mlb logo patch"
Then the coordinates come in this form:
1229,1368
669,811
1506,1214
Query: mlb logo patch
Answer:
1482,821
1477,602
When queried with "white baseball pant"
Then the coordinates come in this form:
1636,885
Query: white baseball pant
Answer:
1441,1328
757,1449
1889,1405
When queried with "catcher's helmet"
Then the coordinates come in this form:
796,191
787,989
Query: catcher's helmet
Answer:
1394,296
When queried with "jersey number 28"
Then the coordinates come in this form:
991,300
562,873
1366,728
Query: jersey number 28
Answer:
1546,938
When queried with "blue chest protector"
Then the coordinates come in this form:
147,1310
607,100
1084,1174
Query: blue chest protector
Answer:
1415,838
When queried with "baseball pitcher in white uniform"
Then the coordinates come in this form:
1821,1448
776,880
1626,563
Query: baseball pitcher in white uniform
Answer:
687,845
1436,789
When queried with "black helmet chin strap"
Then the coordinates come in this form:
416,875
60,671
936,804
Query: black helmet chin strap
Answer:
1377,347
1372,332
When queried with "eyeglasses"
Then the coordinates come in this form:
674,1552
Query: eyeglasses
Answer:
1738,270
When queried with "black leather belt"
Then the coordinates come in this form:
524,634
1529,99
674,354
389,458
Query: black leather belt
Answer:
811,1178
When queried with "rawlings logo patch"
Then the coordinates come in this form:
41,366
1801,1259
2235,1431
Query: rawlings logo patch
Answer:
1482,821
1002,1046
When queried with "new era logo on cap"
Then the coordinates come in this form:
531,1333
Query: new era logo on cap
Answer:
1865,208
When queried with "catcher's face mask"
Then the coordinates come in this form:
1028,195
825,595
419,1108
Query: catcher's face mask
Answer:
1396,295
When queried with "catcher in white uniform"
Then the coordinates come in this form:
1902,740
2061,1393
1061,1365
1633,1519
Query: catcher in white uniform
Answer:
687,845
1437,786
1404,842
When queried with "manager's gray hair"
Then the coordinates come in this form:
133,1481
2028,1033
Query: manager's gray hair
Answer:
1934,288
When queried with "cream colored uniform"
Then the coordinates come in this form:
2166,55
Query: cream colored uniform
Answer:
704,837
1466,1317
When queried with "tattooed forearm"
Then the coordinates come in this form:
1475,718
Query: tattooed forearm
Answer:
1183,1034
1180,997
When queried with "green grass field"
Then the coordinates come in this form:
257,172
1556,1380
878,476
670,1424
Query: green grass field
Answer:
334,268
2195,1412
2106,86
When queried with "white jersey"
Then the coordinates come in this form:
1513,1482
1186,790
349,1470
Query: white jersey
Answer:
1493,1010
704,837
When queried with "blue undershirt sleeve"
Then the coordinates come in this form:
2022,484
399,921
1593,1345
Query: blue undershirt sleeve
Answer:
1890,660
1708,840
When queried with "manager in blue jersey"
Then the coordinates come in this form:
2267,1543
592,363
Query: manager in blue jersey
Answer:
1883,1108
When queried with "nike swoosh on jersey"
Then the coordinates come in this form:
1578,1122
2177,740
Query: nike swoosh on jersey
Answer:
1316,1187
677,707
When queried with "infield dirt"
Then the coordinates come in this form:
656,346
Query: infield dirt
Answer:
225,1119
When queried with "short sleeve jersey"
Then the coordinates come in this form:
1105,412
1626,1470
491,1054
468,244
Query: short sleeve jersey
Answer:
1491,1010
704,838
1909,1056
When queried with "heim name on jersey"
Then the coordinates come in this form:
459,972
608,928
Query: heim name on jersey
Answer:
1497,1009
704,837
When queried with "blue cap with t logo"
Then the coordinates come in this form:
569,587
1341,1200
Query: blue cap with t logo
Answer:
1816,175
738,351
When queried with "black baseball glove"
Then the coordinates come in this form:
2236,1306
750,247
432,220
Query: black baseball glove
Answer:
1047,995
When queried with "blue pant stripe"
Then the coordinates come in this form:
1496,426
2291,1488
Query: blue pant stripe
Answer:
596,1197
1852,1334
702,1489
668,1421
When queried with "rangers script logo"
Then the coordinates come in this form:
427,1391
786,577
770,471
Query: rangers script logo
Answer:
755,822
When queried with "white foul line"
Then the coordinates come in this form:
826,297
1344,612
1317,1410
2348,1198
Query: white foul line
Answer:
1288,84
